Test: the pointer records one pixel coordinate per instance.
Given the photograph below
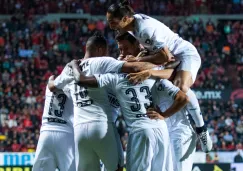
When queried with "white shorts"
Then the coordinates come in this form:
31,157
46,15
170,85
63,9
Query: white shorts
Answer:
190,62
183,145
55,149
95,141
120,151
149,150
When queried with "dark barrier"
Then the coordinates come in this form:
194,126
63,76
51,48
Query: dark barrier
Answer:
15,168
212,167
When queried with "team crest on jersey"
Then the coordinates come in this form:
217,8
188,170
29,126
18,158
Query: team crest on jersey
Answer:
149,42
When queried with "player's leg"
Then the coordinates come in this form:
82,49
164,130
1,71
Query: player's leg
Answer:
162,159
194,110
119,148
102,135
184,78
44,158
85,157
183,143
140,150
64,151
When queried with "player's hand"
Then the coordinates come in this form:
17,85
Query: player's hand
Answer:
51,78
121,57
155,113
74,62
131,58
168,54
51,83
139,77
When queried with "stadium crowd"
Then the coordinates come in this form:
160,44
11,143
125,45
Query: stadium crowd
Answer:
98,7
31,52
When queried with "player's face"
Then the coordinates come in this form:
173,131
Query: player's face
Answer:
114,23
127,48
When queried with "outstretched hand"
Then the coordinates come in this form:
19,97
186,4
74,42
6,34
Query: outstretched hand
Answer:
139,77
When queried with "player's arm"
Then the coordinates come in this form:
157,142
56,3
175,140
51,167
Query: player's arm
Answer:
156,40
63,79
80,78
136,78
180,99
134,67
161,57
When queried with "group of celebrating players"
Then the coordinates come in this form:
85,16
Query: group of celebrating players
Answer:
149,84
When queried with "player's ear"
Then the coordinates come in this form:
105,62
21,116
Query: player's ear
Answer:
125,19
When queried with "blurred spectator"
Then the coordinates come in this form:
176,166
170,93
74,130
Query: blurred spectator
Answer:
98,7
30,52
238,158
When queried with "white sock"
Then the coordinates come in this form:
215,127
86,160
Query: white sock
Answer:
193,109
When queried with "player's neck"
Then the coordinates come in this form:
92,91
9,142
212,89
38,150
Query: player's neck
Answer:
89,55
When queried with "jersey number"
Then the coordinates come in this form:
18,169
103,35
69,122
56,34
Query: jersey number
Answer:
148,96
83,94
61,104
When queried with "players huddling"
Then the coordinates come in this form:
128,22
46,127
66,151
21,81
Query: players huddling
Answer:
152,94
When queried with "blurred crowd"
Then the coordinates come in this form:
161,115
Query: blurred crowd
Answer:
31,52
99,7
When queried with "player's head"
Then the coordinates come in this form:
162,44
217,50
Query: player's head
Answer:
119,15
96,45
127,44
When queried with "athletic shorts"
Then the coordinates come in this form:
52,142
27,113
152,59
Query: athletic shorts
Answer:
183,145
149,150
190,61
55,149
95,141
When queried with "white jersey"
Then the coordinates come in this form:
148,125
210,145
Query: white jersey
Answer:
58,111
154,35
134,100
92,104
164,93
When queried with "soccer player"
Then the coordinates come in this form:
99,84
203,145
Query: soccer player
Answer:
182,136
148,146
155,36
93,122
55,147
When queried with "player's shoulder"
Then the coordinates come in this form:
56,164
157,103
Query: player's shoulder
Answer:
164,84
102,58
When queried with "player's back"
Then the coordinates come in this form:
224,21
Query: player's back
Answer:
92,104
134,100
58,111
153,34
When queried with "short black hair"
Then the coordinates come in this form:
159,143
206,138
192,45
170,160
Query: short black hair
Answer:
126,36
121,9
97,40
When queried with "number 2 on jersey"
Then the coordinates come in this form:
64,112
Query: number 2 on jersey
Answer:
148,96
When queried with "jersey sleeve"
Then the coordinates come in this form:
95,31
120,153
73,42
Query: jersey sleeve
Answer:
168,88
107,80
153,37
64,78
106,65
